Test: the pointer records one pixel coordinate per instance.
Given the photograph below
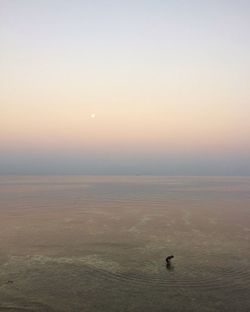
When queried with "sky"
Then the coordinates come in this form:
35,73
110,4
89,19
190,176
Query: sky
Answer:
125,87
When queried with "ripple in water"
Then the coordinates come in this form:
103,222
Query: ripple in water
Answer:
209,274
147,273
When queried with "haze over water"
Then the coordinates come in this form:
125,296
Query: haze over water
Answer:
124,138
125,87
100,243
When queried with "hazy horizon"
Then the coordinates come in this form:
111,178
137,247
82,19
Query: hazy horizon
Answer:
125,87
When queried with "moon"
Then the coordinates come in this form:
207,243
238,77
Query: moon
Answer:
92,115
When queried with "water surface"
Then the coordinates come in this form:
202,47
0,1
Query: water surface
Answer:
78,243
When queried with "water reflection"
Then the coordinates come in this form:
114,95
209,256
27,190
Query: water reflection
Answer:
169,266
107,237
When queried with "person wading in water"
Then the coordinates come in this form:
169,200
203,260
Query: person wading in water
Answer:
168,261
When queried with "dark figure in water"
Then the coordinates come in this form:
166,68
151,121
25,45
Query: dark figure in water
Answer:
169,258
168,263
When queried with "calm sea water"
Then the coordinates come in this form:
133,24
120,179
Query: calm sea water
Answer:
78,243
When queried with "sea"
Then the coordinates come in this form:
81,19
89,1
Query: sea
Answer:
99,244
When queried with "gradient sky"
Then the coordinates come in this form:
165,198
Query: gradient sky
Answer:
168,83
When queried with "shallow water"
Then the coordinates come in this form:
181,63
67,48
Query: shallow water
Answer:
78,243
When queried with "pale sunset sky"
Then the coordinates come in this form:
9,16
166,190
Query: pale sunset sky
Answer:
156,87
